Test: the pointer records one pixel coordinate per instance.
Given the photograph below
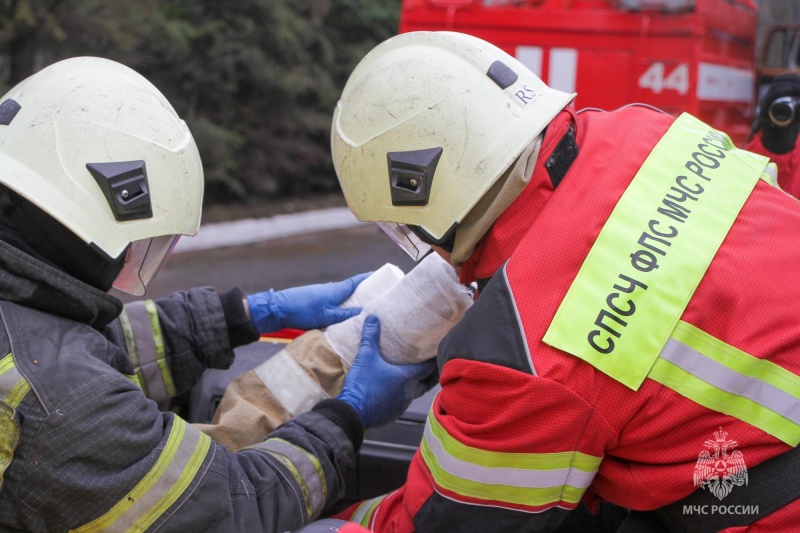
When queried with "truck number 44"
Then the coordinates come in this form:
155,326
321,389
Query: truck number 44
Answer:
657,79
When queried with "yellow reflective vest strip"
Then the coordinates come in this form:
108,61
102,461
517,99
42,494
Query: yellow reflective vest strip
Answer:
305,468
720,377
531,479
653,250
145,342
177,465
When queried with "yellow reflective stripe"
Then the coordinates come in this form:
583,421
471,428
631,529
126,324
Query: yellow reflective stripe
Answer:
13,385
517,478
187,475
158,338
133,352
9,437
145,341
737,360
363,513
18,392
6,363
653,250
134,378
723,378
524,461
304,467
177,465
13,388
287,463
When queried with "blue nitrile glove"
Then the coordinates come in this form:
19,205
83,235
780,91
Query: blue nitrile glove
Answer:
307,307
378,390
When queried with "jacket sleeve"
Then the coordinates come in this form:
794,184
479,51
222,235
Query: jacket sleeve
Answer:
280,484
171,341
108,459
504,449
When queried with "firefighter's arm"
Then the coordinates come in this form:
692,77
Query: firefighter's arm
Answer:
171,341
113,461
505,448
314,451
502,451
290,478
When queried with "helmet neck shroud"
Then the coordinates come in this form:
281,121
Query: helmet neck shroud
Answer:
28,228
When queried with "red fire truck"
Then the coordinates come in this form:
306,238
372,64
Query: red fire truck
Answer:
677,55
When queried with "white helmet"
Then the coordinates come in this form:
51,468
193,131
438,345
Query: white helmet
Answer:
427,122
99,149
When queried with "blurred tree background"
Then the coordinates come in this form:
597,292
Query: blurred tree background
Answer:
256,80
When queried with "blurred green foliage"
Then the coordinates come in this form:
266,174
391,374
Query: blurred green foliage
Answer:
256,80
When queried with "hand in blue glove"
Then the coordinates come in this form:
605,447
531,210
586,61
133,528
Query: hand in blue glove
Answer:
378,390
307,307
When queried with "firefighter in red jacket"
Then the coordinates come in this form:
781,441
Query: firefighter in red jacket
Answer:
635,337
776,130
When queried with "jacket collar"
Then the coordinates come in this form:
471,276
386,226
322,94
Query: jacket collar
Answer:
508,230
28,281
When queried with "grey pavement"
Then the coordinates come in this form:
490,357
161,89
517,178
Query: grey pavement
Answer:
277,252
252,230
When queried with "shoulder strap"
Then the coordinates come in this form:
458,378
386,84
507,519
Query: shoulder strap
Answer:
562,157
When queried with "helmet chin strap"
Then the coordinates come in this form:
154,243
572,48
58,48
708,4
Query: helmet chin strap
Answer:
57,245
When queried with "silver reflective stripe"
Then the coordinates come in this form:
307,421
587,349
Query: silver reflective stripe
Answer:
289,383
306,470
364,512
726,379
150,351
519,320
514,477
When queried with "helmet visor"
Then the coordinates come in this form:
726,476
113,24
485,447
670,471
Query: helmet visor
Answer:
143,261
405,238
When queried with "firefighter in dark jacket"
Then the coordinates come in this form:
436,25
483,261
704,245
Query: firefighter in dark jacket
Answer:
98,178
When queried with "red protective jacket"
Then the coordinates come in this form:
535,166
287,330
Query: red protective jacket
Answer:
521,431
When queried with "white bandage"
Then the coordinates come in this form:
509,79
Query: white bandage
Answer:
415,313
376,284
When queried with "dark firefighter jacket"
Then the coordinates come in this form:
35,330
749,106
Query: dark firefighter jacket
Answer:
82,448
